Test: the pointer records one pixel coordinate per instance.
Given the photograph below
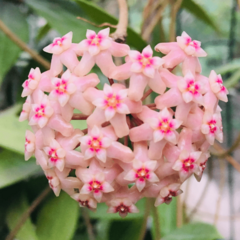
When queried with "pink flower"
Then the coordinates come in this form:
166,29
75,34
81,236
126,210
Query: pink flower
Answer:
187,164
164,127
202,165
96,144
85,201
56,155
142,172
112,102
212,128
29,144
53,181
32,82
42,112
96,185
144,62
96,42
60,45
216,84
123,206
24,115
191,47
191,90
63,88
167,193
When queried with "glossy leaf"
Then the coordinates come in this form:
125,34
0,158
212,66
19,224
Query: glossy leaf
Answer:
233,80
166,215
99,16
9,51
196,231
229,67
62,16
43,31
17,207
200,13
57,220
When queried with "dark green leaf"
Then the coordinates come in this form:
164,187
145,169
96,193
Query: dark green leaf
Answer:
233,80
196,231
99,16
43,31
13,168
62,16
200,13
17,207
9,51
166,215
229,68
57,220
125,230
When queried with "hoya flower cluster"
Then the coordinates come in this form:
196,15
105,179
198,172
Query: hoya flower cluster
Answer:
169,138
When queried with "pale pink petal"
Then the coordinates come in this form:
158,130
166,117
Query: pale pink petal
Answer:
93,50
131,176
90,34
106,187
104,33
95,132
107,90
152,177
63,99
101,155
109,113
158,135
150,165
85,189
135,55
97,195
89,154
140,184
187,97
171,137
149,71
122,108
42,122
106,142
136,67
147,52
133,209
100,102
86,140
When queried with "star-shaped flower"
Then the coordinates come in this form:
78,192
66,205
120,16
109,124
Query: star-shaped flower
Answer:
29,144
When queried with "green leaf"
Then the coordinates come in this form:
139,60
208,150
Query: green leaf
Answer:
62,16
233,80
229,68
125,230
57,220
200,13
166,215
9,51
13,168
99,16
196,231
17,207
102,208
43,31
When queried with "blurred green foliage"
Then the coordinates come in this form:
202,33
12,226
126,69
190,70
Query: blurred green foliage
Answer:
36,23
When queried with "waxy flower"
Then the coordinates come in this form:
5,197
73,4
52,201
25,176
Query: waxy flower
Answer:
123,206
186,164
216,84
144,62
59,45
96,42
85,201
164,127
96,144
212,128
191,47
142,172
41,112
191,90
24,115
96,185
55,155
63,88
167,193
53,181
32,82
202,162
29,144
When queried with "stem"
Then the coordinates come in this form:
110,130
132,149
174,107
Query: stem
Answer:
88,224
156,222
27,213
172,31
145,218
229,158
121,32
12,36
79,116
98,25
111,81
179,212
224,153
151,105
146,94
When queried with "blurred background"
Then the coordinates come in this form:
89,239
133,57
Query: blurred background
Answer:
206,210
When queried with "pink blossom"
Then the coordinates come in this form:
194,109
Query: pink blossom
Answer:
53,181
29,144
24,115
32,82
85,201
216,84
